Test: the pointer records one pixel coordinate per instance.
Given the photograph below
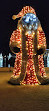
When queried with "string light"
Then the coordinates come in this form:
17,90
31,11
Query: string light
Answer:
30,77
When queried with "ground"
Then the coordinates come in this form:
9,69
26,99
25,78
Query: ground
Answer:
22,98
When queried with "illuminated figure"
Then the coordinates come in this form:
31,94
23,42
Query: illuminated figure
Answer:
29,37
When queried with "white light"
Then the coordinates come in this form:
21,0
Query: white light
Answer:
29,32
34,19
27,19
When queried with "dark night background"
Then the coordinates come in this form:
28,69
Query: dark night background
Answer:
7,25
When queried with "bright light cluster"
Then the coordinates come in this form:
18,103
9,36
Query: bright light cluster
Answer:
41,39
30,77
30,21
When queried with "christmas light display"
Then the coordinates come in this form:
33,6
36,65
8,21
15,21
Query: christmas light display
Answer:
30,38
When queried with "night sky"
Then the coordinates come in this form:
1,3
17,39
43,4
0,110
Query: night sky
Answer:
7,25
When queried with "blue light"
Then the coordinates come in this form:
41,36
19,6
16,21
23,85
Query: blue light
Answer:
27,19
30,21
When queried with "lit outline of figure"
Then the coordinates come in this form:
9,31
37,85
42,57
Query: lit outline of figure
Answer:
29,65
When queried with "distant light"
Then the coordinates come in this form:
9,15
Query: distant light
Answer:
47,49
9,56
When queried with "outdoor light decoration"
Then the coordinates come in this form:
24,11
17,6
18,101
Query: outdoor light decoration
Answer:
30,38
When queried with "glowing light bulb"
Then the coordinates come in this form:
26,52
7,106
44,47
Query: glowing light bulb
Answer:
20,29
